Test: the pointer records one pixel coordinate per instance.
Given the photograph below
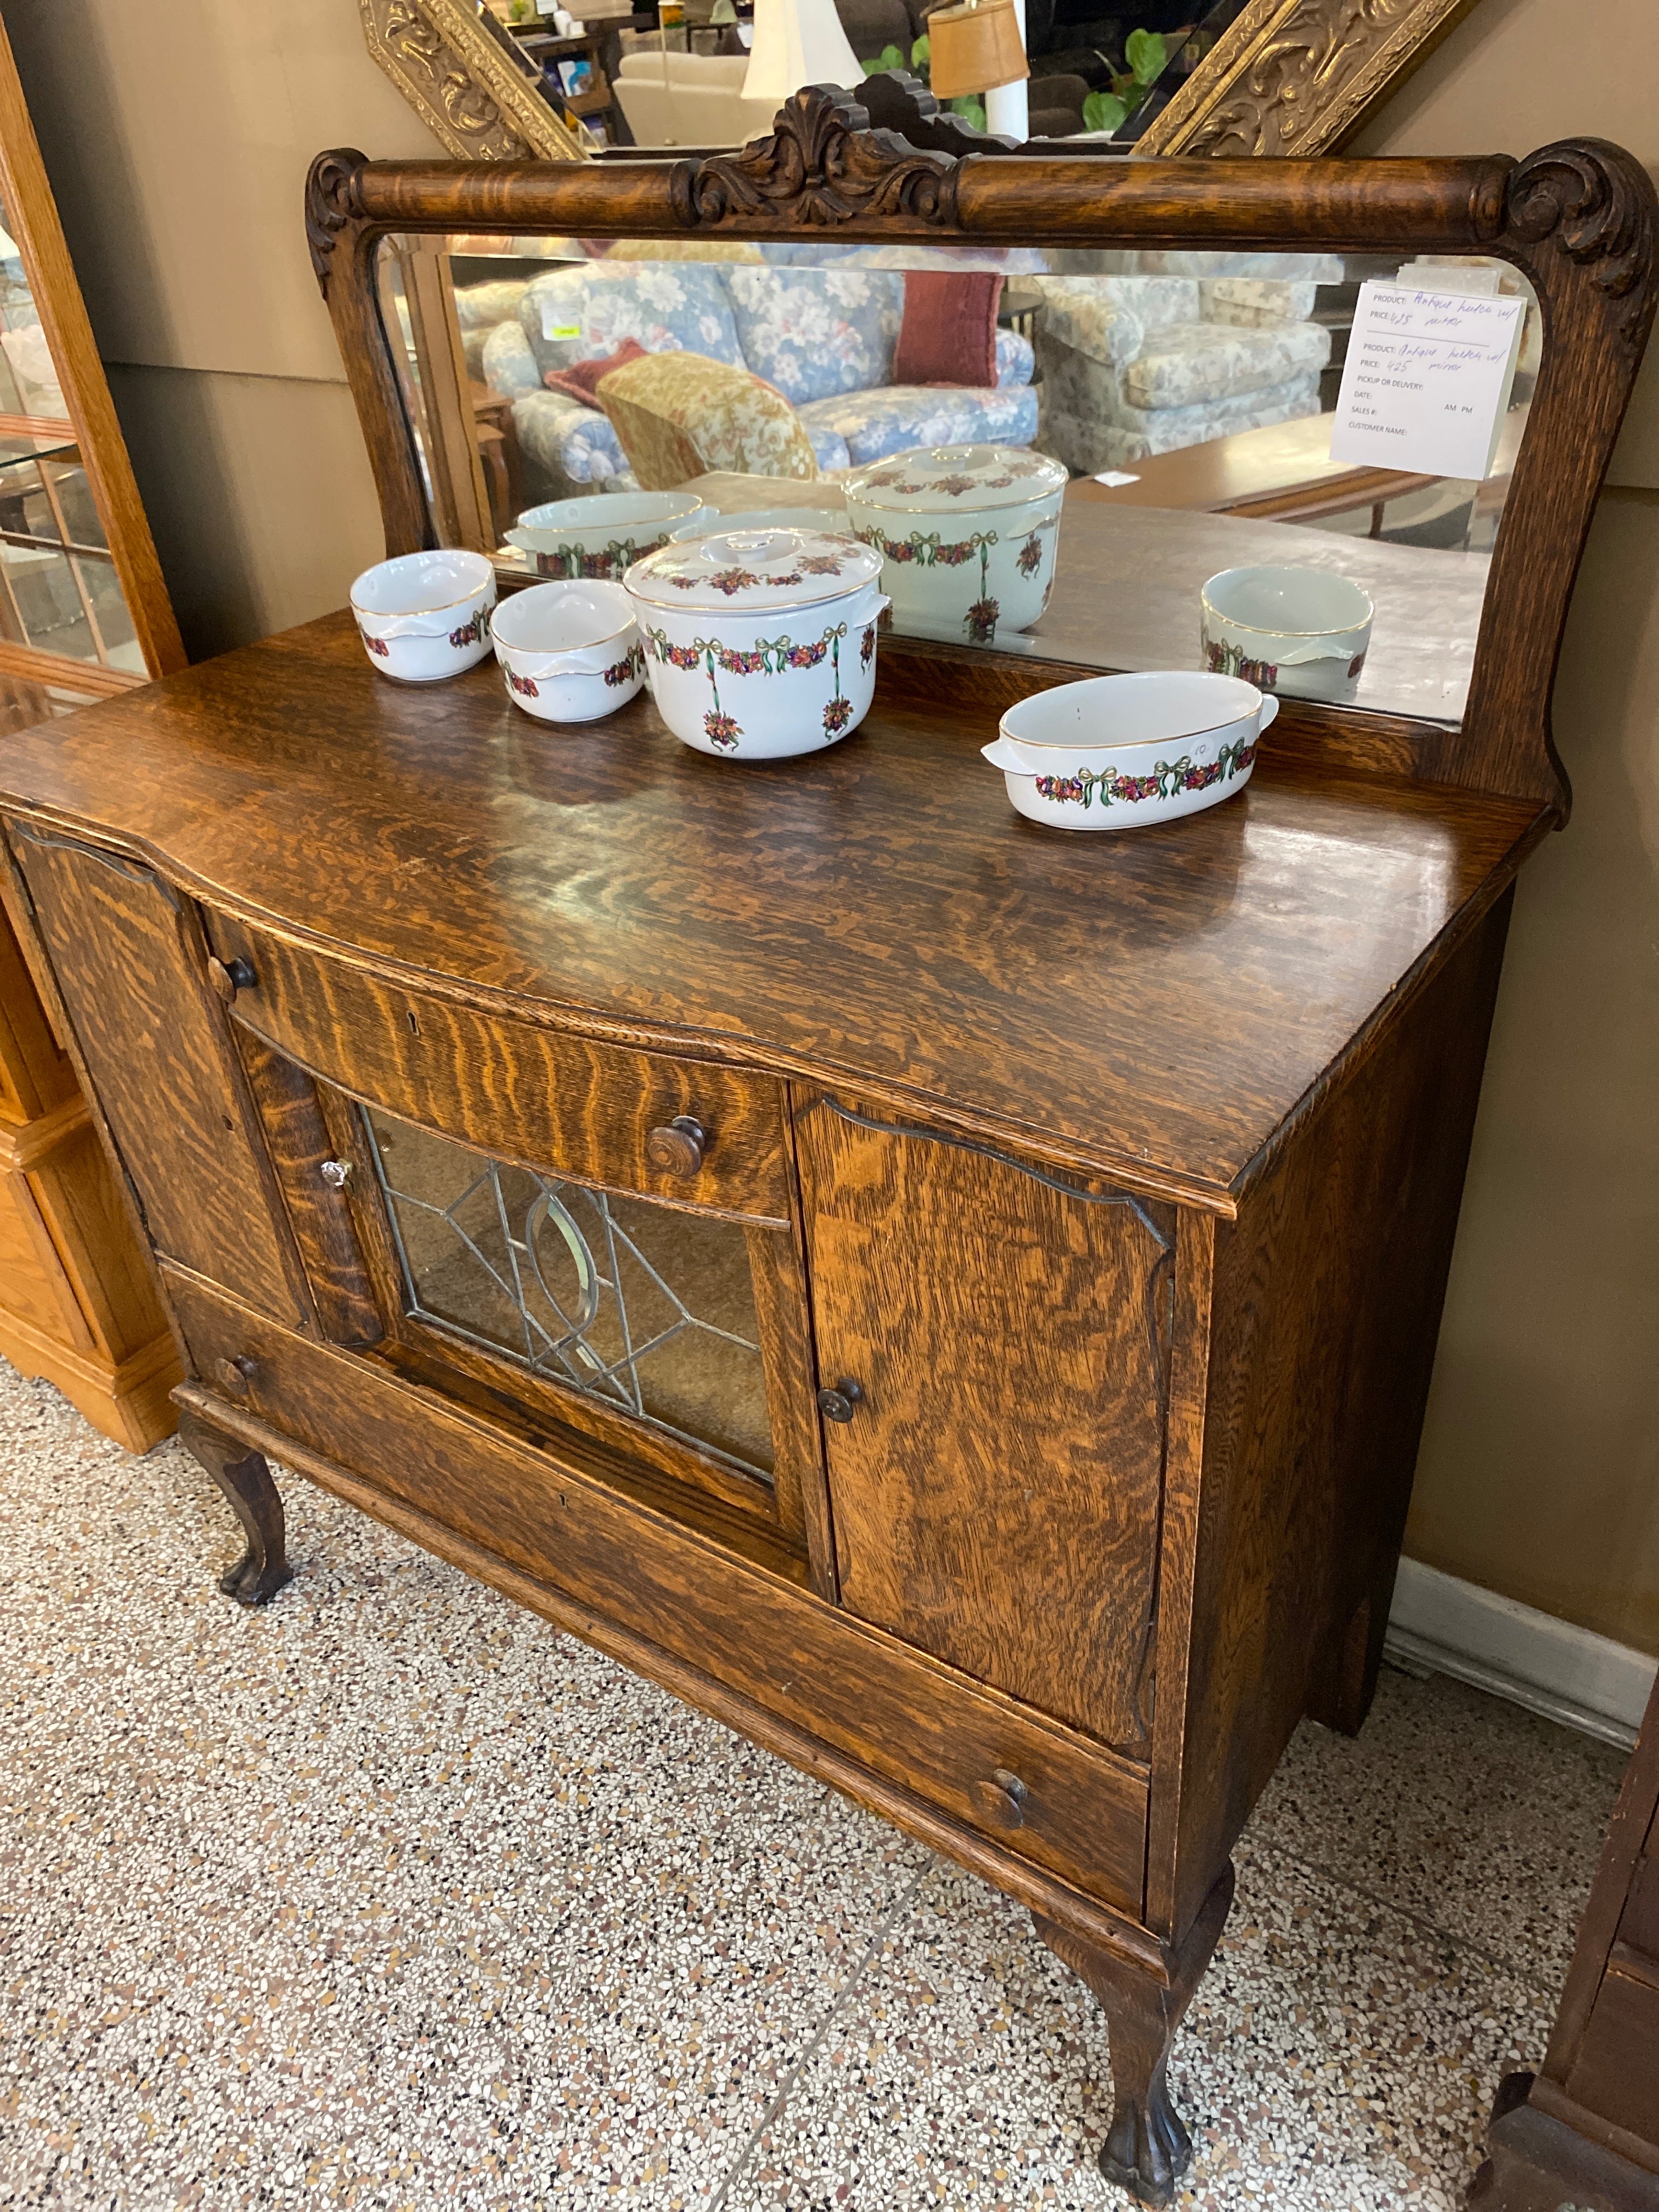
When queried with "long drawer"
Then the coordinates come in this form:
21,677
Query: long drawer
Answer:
1077,1810
550,1099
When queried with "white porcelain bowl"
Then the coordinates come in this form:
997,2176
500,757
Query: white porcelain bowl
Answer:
969,535
589,539
1301,632
569,653
425,615
760,644
1115,752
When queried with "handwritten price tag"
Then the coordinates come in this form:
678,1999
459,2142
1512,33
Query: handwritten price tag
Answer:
1426,380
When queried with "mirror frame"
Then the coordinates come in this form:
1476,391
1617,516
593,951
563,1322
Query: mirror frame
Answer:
1577,218
462,84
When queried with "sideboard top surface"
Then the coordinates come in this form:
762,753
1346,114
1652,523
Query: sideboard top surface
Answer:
1160,999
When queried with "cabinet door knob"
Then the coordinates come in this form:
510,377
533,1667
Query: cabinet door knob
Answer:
838,1405
336,1173
1001,1800
677,1149
235,1376
228,977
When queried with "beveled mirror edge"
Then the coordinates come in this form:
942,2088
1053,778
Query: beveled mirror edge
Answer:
1577,218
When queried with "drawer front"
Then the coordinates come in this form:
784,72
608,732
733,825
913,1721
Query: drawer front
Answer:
584,1109
899,1715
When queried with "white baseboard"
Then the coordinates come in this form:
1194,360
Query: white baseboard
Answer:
1441,1625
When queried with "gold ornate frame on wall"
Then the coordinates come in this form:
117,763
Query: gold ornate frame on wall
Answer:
1290,76
466,90
1298,77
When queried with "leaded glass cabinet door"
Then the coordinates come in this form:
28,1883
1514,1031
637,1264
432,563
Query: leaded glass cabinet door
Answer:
668,1339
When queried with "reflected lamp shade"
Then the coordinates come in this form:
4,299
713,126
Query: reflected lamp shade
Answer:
973,48
798,42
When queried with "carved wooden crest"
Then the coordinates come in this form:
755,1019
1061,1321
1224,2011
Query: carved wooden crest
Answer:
1298,77
820,165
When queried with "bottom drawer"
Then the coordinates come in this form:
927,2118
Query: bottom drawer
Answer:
904,1716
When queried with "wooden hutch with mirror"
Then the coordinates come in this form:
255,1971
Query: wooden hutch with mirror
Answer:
954,1300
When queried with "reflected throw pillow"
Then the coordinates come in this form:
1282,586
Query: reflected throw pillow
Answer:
678,415
949,333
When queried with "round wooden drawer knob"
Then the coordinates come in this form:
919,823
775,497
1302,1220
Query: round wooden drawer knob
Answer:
838,1404
228,977
1001,1801
235,1376
678,1148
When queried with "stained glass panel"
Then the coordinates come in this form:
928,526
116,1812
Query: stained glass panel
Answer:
645,1308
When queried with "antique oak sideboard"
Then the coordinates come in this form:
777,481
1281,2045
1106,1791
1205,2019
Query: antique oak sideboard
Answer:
954,1301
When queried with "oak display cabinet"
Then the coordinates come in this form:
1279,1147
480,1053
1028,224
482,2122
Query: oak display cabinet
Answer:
954,1301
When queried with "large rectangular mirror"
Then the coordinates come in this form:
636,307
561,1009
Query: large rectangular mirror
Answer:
1137,422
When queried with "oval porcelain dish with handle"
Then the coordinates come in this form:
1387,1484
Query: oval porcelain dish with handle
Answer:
760,644
1117,752
599,537
425,615
569,653
1301,632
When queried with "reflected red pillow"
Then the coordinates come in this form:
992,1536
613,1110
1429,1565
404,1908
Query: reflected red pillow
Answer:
949,333
581,379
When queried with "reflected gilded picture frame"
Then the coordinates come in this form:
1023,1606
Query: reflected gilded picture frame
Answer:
1288,77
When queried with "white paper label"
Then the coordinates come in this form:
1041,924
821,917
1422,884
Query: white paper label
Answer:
556,322
1426,380
1112,477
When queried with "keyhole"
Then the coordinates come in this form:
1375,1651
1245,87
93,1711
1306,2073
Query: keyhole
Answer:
414,1026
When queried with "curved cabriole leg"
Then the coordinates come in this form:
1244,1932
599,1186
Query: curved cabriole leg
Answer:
243,1476
1147,2149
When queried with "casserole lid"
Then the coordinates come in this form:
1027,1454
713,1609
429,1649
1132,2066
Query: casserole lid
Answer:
957,479
752,571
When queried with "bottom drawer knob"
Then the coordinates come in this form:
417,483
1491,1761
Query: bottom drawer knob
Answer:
235,1376
1001,1801
677,1148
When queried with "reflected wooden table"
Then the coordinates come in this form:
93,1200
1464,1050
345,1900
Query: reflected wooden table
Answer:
1284,472
1125,593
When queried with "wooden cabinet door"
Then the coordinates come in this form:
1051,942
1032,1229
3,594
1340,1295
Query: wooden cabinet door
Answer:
131,965
995,1491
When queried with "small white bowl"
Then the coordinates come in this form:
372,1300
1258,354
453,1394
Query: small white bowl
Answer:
425,615
597,538
1116,752
1301,632
569,653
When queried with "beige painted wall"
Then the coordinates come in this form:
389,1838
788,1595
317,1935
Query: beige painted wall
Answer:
1540,1470
177,134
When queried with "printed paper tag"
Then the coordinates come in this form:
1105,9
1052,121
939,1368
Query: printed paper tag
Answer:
1112,477
1426,380
556,322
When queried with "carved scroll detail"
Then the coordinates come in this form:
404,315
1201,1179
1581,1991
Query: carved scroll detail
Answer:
1297,76
821,165
331,203
474,98
1598,207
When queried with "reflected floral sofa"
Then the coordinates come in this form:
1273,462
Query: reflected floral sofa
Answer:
819,322
1174,349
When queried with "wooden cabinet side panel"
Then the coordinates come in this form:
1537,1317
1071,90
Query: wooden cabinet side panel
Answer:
127,959
1326,1311
995,1494
35,1075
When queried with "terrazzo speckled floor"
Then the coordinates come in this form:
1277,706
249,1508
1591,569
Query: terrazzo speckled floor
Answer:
388,1897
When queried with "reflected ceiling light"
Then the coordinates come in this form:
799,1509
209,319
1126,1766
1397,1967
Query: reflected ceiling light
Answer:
798,42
